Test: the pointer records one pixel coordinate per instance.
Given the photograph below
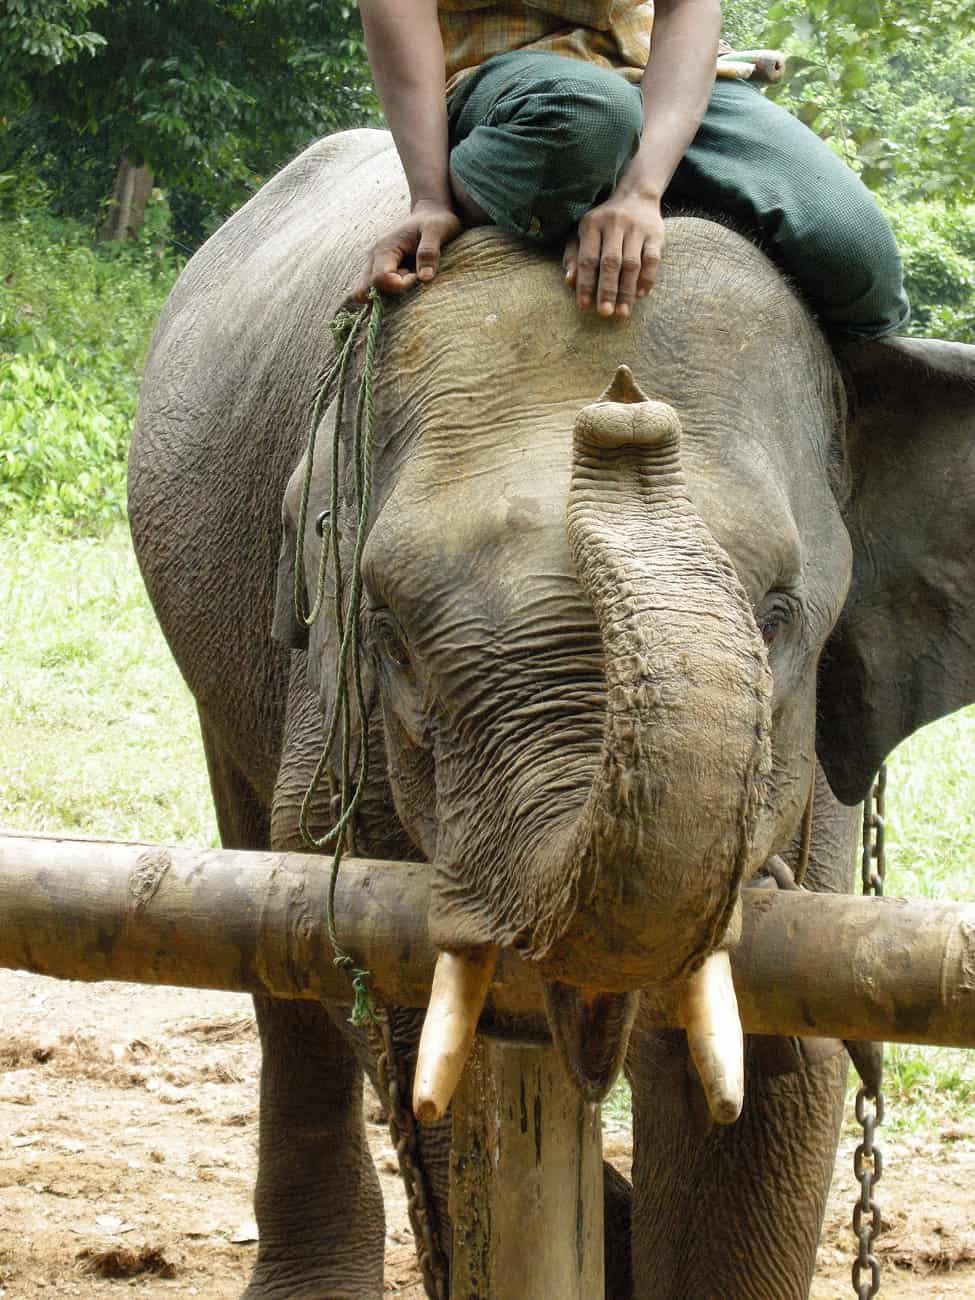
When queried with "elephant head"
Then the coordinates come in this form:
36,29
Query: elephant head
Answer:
595,622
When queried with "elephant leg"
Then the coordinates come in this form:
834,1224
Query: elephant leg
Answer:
318,1200
242,819
617,1210
729,1212
318,1203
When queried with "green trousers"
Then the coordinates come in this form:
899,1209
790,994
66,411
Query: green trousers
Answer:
538,139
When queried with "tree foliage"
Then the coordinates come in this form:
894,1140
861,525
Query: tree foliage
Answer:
886,81
212,94
74,324
38,35
889,86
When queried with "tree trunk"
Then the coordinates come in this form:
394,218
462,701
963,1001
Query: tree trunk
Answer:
127,206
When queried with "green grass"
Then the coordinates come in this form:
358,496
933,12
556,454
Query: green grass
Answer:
931,854
98,731
931,837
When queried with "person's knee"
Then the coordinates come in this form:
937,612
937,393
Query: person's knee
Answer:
860,285
596,122
847,227
552,147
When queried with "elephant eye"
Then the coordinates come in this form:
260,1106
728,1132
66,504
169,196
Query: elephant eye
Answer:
322,521
774,615
388,640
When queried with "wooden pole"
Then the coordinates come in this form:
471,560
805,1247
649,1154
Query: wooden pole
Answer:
832,965
86,909
526,1179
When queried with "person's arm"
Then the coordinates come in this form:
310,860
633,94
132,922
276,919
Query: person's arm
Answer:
407,59
614,257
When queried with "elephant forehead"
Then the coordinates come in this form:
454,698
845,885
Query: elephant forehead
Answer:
468,524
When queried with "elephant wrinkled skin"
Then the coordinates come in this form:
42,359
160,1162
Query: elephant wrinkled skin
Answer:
611,617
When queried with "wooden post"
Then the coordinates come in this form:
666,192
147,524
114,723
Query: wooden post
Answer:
526,1179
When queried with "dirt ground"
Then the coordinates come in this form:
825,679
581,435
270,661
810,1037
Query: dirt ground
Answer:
127,1153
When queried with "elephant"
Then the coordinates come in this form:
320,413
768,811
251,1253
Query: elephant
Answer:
635,593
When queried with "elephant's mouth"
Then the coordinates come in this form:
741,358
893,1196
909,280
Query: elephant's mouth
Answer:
591,1031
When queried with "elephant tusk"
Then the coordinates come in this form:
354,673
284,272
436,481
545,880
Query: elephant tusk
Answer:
460,985
709,1013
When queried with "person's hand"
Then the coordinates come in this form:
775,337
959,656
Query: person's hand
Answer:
411,251
614,256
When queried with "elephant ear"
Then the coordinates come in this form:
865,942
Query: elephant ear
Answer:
321,640
286,626
903,650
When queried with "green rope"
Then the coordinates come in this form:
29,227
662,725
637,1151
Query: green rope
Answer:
346,330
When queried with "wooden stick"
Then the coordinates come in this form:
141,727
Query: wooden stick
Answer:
526,1180
734,70
766,66
832,965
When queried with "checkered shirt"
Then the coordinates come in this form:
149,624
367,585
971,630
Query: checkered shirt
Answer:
613,33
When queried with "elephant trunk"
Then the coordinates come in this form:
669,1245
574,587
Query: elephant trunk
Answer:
660,847
641,888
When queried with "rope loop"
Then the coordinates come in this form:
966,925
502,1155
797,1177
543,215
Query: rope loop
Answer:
346,329
363,1007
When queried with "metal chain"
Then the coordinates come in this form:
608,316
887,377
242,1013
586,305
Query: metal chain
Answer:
868,1164
394,1094
873,861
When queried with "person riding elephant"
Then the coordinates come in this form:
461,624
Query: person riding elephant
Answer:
632,588
573,123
